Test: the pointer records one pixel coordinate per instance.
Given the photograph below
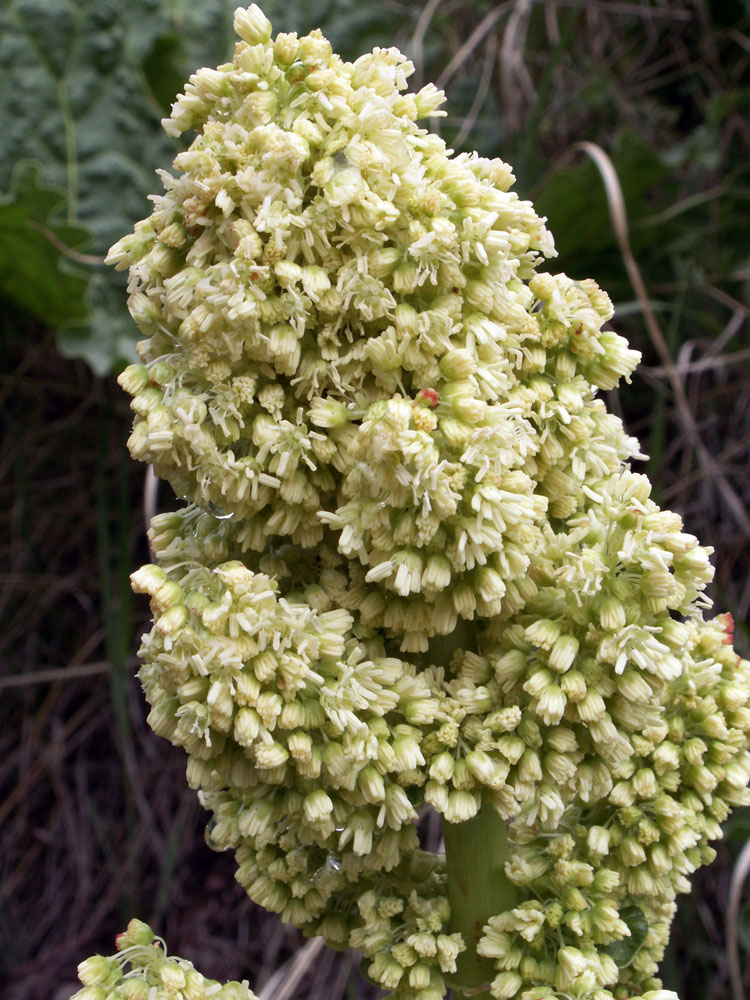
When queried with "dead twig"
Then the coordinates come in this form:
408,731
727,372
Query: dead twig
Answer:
282,983
703,365
417,39
618,215
475,38
481,94
639,10
513,73
739,875
53,674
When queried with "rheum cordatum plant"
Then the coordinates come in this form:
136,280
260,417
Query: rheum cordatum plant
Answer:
415,569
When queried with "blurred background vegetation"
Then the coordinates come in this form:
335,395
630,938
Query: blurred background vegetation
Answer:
96,824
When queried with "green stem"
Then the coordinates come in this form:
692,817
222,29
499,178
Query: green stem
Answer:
478,888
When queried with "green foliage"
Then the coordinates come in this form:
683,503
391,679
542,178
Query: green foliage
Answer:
85,84
30,271
623,952
585,235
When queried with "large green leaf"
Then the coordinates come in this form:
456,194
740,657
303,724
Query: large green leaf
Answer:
85,83
33,273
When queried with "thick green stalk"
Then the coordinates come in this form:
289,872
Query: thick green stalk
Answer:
478,888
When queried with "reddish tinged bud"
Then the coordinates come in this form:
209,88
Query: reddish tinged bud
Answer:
429,396
727,621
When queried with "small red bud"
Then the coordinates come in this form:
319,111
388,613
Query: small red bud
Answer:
430,396
727,620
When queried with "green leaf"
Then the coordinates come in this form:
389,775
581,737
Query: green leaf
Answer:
33,272
107,337
623,952
85,83
737,827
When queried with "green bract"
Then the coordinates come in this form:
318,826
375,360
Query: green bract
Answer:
415,567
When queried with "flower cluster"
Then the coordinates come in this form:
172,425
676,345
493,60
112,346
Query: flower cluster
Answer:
415,570
141,970
303,738
633,833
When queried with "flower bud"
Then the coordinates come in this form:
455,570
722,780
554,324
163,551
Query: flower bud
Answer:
134,379
563,653
96,970
252,25
137,932
544,633
506,985
136,989
317,806
172,976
